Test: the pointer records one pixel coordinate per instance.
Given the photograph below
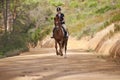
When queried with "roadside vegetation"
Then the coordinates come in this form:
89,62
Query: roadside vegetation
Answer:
23,23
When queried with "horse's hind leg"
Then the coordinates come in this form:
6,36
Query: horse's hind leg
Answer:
57,53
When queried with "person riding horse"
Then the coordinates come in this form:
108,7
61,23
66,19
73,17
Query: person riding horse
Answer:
62,21
60,33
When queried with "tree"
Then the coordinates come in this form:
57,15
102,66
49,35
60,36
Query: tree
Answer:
5,5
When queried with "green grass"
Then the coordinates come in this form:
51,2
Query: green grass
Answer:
93,14
115,18
105,9
112,19
74,4
56,2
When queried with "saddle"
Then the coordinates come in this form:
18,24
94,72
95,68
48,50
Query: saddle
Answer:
65,32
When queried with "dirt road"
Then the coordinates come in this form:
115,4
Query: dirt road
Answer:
43,64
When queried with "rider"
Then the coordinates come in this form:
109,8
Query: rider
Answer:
61,16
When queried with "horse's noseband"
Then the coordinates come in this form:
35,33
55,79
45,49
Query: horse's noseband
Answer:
57,22
56,27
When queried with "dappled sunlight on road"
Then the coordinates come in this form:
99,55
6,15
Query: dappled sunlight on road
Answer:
46,65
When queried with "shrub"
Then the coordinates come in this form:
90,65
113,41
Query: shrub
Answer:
118,5
115,18
37,35
1,54
93,4
74,4
117,27
105,9
10,42
56,3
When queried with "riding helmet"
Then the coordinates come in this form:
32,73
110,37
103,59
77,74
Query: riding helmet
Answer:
58,9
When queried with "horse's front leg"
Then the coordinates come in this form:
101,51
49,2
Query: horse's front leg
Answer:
57,53
60,48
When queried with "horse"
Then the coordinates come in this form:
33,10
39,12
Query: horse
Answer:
59,37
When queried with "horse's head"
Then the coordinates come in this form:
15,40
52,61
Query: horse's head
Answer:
57,21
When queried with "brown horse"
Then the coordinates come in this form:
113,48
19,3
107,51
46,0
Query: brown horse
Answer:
59,37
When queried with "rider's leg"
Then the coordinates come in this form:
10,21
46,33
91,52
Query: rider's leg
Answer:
65,30
53,32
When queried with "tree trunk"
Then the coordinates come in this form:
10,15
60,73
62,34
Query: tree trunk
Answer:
9,16
6,17
4,14
14,13
1,20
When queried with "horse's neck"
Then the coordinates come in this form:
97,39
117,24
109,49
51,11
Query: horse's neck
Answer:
57,22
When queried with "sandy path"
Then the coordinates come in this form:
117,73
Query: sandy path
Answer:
43,64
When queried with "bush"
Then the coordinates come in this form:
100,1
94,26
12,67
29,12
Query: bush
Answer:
105,9
115,18
93,4
10,42
117,27
74,4
34,36
56,3
85,32
1,54
37,35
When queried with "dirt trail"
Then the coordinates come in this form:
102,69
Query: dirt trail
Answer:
43,64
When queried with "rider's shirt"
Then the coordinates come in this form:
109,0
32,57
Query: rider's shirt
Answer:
61,16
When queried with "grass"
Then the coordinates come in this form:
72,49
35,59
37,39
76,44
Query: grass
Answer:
91,16
97,23
105,9
114,18
117,27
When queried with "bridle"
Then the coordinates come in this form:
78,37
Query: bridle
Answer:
57,22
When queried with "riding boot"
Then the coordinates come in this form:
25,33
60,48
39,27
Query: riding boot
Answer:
65,32
53,32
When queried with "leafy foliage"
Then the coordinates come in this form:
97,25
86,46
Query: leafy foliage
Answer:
12,41
29,26
56,2
105,9
117,27
74,4
115,18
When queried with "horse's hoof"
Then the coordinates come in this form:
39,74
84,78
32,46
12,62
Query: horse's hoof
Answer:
57,54
61,54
